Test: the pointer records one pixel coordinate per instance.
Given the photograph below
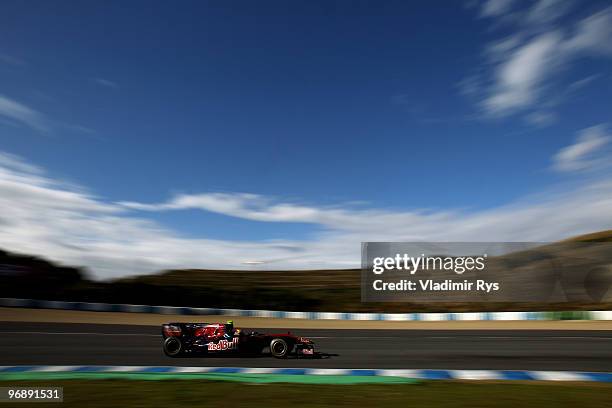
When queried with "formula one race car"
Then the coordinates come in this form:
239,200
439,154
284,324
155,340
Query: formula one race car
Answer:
221,338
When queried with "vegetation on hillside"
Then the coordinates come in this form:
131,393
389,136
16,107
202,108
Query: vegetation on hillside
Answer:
317,290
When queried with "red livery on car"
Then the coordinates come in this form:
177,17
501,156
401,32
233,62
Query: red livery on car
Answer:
202,338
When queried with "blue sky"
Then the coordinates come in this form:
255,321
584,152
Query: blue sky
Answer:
279,128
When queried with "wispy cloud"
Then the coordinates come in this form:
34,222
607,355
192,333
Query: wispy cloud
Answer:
521,70
586,153
14,163
105,82
17,114
492,8
581,83
546,11
22,114
247,206
541,118
592,35
11,60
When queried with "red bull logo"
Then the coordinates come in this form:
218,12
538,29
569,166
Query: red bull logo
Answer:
223,345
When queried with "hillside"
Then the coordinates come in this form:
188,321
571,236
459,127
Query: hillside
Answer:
315,290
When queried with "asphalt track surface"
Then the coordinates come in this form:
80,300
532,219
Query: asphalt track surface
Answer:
96,344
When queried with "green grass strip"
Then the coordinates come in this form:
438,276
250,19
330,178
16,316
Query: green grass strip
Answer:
235,377
427,394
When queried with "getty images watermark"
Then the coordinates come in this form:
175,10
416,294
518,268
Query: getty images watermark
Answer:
486,272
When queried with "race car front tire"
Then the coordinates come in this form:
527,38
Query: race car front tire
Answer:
173,346
280,348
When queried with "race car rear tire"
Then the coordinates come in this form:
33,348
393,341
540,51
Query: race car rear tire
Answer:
173,347
280,348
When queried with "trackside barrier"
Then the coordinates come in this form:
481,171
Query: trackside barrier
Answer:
172,310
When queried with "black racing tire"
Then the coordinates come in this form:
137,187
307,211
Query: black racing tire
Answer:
280,348
173,347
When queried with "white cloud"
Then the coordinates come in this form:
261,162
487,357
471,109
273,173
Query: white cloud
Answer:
586,153
592,35
519,78
15,111
546,11
493,8
47,217
248,206
522,67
